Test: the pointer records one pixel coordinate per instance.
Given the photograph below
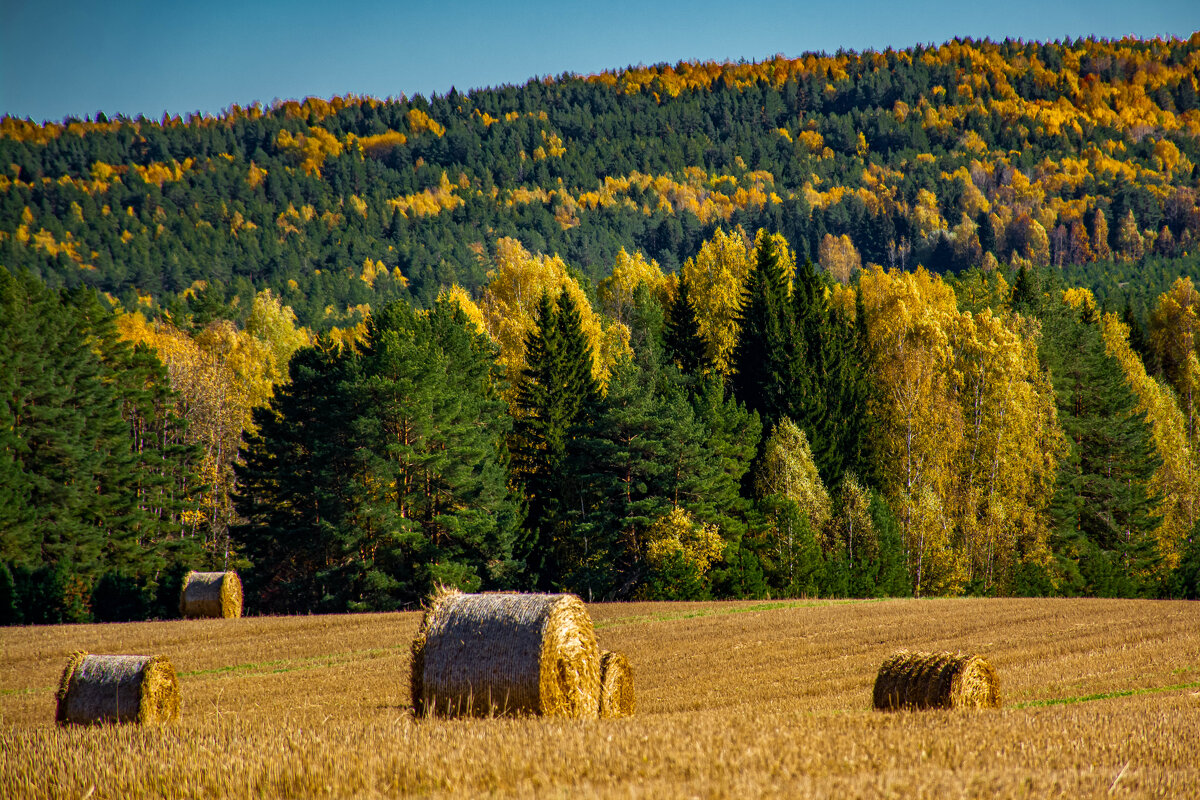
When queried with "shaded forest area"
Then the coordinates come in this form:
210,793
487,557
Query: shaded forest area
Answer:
912,322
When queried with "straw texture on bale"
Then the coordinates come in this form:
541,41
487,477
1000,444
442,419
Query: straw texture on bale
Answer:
211,594
616,686
506,654
96,689
936,680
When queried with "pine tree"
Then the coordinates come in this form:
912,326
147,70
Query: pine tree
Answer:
433,506
377,475
768,351
556,397
294,485
685,346
1103,504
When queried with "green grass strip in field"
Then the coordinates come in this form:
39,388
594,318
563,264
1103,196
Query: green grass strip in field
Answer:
288,664
723,611
1087,698
258,668
255,668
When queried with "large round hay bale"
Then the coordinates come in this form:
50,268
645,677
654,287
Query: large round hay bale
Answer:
511,654
936,680
95,689
616,686
211,594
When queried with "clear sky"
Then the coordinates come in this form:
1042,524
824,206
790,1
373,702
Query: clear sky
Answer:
77,57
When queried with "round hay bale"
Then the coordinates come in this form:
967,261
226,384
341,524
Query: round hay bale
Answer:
936,680
97,689
211,594
616,686
510,654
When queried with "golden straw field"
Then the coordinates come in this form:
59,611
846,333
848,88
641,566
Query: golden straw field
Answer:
1101,698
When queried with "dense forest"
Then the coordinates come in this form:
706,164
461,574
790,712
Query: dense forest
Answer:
903,322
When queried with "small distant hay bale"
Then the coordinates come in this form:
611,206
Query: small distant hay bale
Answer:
211,594
616,686
505,654
97,689
936,680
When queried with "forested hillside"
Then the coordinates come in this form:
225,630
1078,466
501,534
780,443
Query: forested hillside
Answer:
917,321
1075,153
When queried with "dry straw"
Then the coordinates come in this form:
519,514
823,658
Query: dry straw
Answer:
98,689
513,654
936,680
211,594
616,686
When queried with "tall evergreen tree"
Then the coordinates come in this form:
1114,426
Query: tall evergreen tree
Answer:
769,358
60,433
684,343
294,484
379,474
159,470
1139,341
1103,503
1027,292
79,496
620,461
556,396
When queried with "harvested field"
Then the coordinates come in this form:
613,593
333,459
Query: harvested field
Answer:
770,699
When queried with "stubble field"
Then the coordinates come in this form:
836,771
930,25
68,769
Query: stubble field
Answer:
1101,699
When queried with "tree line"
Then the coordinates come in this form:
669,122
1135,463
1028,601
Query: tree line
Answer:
748,426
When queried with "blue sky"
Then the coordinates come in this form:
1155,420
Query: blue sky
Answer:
77,57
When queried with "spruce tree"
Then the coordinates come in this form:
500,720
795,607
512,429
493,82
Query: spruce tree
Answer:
157,473
768,357
556,397
811,353
1139,341
1103,502
1027,292
731,437
294,485
684,344
60,435
621,465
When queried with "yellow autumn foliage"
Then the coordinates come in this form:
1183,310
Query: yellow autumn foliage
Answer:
715,279
677,534
509,302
